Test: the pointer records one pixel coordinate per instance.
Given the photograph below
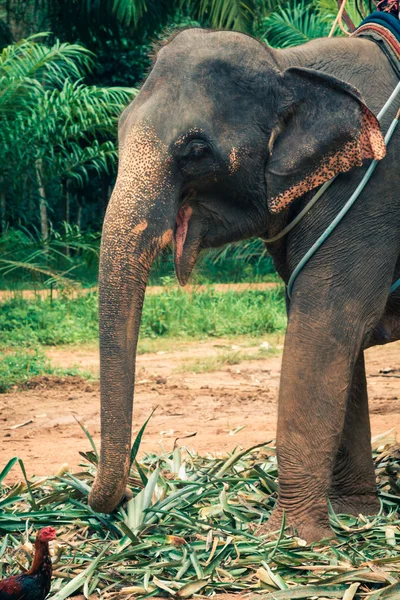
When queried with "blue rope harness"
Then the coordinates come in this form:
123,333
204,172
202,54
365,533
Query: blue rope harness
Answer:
345,208
349,202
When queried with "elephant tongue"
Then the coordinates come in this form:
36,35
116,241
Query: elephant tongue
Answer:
182,224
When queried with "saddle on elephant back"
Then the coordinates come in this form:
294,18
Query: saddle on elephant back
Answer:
383,28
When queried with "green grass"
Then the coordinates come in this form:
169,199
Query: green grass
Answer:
189,530
213,363
238,263
19,366
174,313
211,313
49,323
31,324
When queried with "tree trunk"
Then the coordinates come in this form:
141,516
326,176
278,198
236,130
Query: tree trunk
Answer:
44,222
3,221
67,204
79,217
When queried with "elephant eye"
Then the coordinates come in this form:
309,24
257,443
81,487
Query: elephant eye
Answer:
196,149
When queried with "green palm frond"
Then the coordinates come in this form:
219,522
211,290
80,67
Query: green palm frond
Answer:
293,24
29,66
356,9
248,250
25,252
78,111
224,14
58,124
129,11
95,17
73,162
29,58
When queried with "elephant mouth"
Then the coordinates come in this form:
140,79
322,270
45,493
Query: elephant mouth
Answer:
186,242
182,226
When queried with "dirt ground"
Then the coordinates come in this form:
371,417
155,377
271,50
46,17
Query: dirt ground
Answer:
234,405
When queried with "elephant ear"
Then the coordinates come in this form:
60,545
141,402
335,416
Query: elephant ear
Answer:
327,130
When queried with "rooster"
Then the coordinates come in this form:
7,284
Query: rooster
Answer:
34,584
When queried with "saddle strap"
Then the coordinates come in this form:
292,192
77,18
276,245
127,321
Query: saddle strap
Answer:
384,30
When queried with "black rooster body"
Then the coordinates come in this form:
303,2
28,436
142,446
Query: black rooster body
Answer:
34,584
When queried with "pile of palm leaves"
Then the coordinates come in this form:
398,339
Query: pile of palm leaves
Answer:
188,531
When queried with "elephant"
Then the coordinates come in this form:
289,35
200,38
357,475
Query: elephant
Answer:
226,140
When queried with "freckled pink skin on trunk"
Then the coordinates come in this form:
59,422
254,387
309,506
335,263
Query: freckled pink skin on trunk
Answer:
182,220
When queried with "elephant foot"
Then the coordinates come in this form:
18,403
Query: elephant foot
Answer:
308,527
356,504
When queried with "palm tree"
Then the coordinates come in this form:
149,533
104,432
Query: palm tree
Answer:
296,23
56,131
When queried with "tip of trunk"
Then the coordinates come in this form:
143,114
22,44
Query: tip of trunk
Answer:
101,503
106,495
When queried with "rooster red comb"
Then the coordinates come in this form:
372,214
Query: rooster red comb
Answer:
47,534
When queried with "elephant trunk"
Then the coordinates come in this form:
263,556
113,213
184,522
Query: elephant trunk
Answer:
137,226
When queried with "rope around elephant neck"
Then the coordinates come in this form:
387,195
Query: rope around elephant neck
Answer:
342,213
345,208
324,187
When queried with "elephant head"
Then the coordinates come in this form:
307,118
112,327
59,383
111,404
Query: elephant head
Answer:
218,140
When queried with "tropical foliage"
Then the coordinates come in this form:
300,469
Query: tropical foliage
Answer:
28,258
57,133
294,24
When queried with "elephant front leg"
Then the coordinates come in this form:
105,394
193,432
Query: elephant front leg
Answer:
317,371
353,489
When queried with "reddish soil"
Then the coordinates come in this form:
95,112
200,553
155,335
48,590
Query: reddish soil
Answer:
212,404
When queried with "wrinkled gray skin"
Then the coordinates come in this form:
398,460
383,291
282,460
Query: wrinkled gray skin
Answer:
217,134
